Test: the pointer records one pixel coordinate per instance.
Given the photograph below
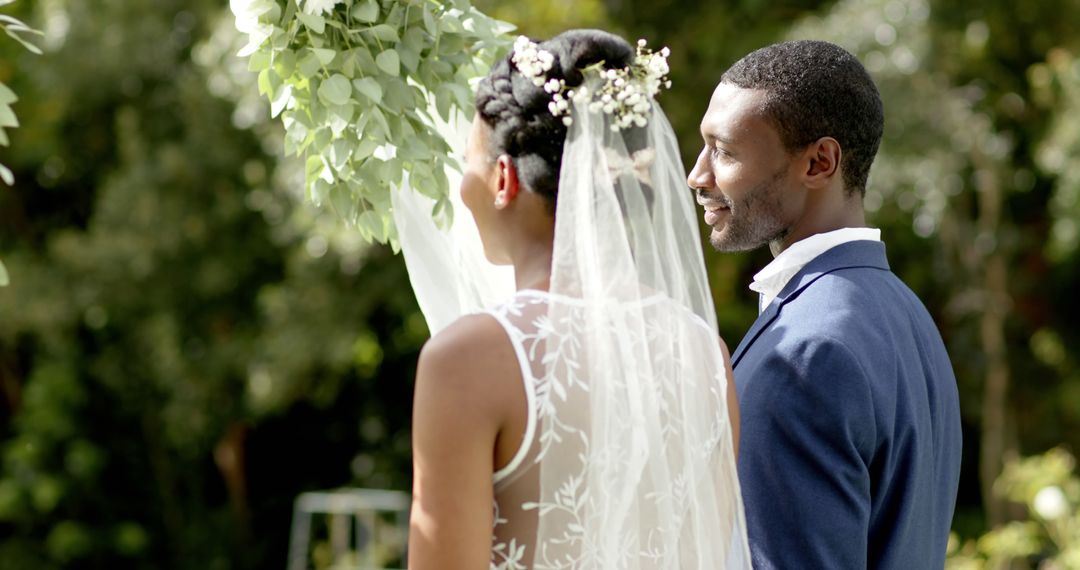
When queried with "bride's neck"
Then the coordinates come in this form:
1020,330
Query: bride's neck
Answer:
532,264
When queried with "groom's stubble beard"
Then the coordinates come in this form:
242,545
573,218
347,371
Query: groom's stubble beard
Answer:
756,219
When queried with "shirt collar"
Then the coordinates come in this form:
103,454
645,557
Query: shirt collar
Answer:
774,276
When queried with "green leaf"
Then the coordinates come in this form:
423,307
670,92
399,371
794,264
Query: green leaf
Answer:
364,59
314,22
410,58
360,126
340,115
325,56
462,95
29,46
280,100
7,117
4,279
443,212
395,94
340,152
443,101
430,24
313,167
389,62
373,224
323,136
285,63
370,88
442,69
336,90
391,171
364,148
259,61
341,200
309,65
269,83
380,119
385,33
450,24
414,39
397,14
366,12
7,96
318,192
450,44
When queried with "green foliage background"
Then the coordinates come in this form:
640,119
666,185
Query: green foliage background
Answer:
187,344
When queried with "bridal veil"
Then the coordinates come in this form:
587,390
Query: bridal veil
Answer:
636,459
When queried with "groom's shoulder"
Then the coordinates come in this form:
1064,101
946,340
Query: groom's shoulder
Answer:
844,296
855,306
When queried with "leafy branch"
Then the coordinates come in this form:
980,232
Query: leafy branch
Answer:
358,85
13,27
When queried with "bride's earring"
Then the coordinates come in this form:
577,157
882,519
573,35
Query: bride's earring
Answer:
500,200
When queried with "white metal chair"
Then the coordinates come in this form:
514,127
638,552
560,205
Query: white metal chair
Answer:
365,529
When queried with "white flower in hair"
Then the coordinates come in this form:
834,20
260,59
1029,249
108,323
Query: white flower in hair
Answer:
532,61
626,93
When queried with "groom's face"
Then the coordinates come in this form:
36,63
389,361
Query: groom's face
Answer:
744,177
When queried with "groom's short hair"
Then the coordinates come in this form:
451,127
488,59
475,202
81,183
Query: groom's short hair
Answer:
816,89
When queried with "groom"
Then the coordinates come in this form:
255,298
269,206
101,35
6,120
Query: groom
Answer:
850,448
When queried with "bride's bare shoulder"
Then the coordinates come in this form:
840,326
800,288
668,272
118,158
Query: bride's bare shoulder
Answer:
476,336
468,358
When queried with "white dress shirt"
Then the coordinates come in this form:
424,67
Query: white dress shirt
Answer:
773,277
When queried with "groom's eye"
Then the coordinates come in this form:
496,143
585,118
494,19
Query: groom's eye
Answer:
716,152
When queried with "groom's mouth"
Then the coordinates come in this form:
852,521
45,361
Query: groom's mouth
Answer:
714,211
713,217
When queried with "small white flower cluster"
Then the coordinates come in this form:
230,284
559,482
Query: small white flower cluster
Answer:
559,105
626,93
532,61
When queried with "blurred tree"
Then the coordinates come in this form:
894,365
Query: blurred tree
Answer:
186,348
1048,537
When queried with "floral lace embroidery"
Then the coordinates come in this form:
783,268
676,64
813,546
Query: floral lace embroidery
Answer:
554,352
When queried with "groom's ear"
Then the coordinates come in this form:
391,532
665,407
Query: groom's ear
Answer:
822,160
507,184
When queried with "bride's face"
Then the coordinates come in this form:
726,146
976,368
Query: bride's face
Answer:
479,188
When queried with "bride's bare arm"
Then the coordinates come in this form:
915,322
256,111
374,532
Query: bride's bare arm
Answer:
458,410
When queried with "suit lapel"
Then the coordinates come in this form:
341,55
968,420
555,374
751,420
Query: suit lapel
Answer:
763,321
860,253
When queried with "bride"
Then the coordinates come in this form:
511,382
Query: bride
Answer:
588,421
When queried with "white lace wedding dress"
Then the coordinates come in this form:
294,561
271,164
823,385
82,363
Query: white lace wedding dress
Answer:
549,361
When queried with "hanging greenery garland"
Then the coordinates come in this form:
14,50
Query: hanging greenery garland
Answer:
354,82
13,27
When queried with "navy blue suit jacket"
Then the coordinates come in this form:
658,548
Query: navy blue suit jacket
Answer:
850,444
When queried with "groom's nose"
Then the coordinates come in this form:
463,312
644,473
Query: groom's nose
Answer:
701,175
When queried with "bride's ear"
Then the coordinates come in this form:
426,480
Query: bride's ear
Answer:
507,185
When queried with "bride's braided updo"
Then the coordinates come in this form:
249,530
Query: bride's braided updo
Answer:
517,110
